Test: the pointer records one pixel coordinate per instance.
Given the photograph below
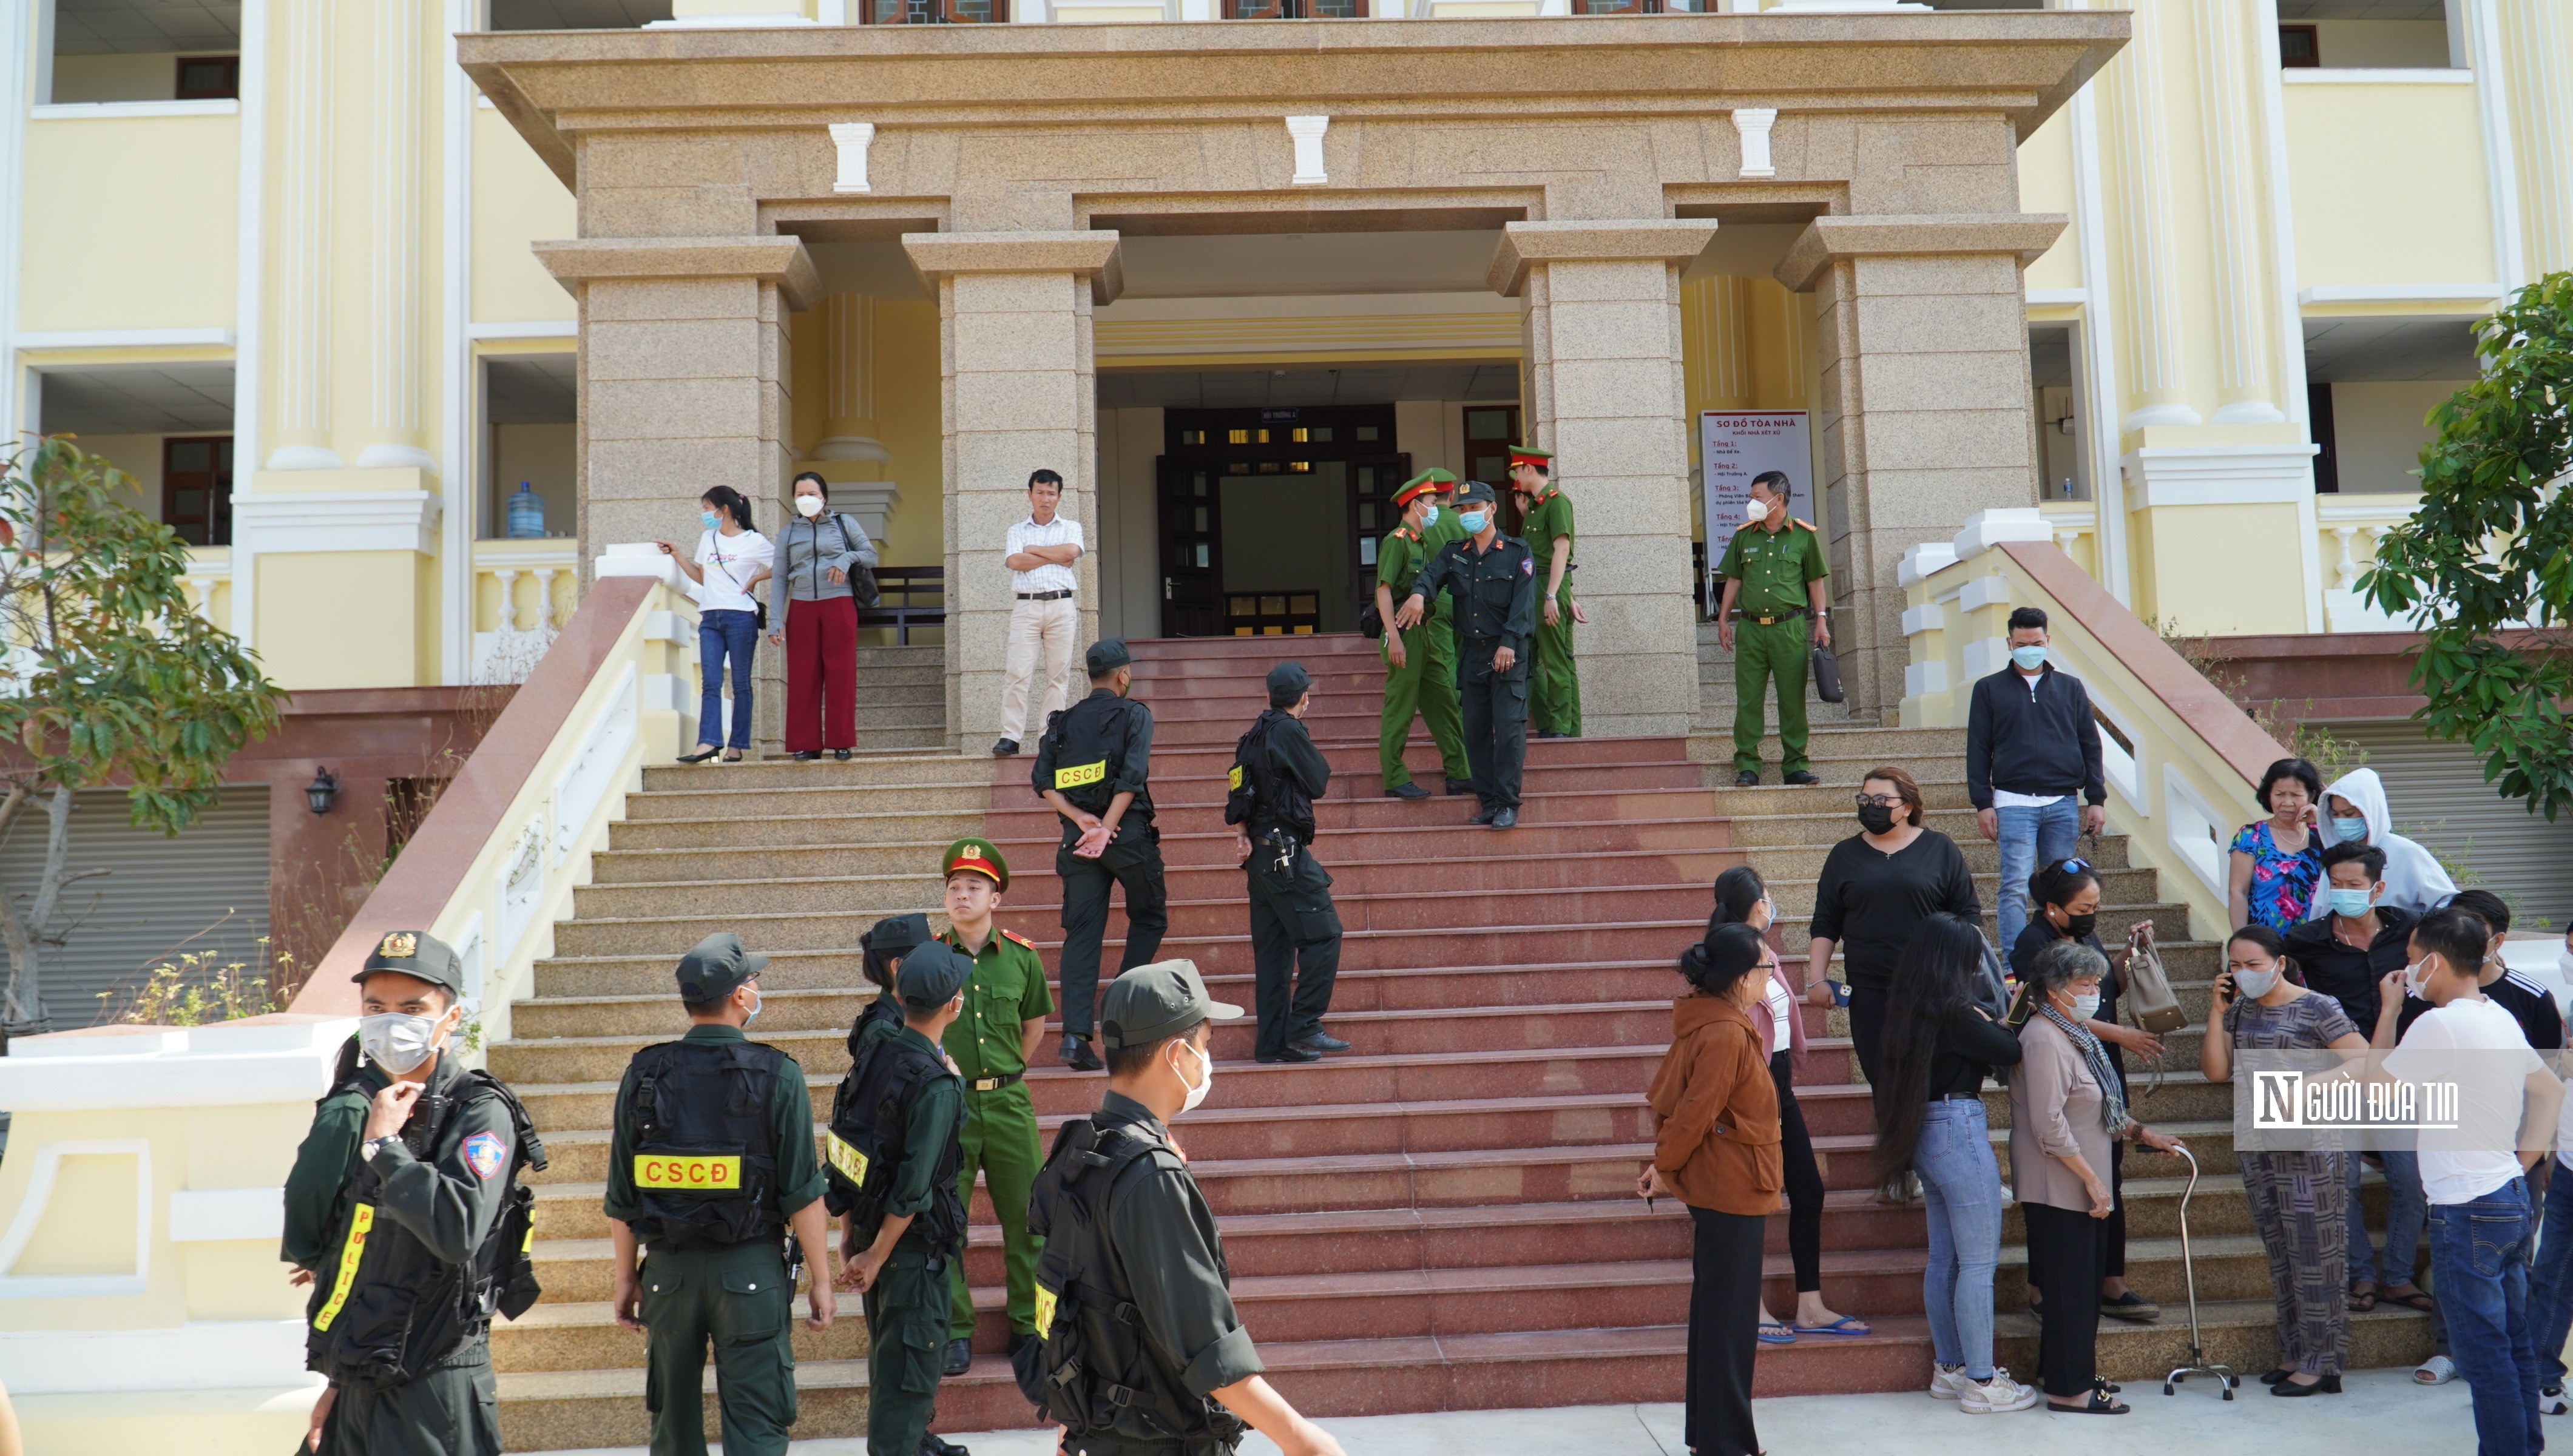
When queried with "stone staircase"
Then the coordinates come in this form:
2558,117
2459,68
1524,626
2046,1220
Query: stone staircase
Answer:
901,700
1440,1219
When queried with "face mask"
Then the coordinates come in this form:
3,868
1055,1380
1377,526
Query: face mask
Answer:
396,1042
2416,978
2080,926
2349,903
1204,1083
1875,818
711,519
1429,515
1755,512
2028,659
2255,984
2086,1006
756,1002
2351,831
1472,521
808,506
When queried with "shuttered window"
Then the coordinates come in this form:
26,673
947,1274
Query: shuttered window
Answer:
206,890
2438,796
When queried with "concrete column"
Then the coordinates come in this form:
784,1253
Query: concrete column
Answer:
1923,406
1607,394
851,453
685,345
300,278
394,277
2537,52
1017,394
2246,394
2148,305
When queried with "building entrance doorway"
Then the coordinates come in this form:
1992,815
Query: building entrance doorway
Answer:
1270,517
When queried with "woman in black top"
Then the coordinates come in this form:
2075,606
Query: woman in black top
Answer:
2067,897
1877,887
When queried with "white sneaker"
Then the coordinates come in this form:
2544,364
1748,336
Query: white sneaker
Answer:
1996,1396
1947,1382
2550,1400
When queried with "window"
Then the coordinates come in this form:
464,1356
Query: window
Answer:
1295,9
2298,46
935,12
576,14
197,489
124,51
1641,6
209,78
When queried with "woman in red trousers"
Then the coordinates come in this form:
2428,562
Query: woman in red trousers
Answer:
813,613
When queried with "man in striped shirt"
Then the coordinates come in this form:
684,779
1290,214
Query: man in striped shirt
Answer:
1038,553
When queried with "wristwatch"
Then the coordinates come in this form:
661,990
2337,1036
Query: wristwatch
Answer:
375,1145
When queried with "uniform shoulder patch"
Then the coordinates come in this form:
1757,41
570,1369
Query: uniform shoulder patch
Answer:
1802,524
1527,566
1019,939
487,1154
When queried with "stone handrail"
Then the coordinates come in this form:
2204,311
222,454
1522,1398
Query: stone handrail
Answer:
2181,759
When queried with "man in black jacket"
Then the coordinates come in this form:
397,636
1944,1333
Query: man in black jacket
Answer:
1292,914
2031,746
1093,765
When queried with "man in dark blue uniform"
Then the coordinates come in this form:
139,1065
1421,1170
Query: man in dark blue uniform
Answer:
1494,580
1092,766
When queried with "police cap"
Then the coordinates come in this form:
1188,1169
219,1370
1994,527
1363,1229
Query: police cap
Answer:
1474,490
716,968
416,953
1431,481
931,976
978,856
1288,681
1154,1003
1106,656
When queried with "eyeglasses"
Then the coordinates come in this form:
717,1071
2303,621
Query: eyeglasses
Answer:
1881,801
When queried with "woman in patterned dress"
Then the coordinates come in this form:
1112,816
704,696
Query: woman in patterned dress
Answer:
2277,860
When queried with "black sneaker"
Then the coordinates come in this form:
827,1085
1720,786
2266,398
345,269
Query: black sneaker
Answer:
1460,786
2131,1307
960,1358
1292,1054
1485,817
1746,778
1801,778
1078,1055
1406,791
1006,748
1321,1042
1506,818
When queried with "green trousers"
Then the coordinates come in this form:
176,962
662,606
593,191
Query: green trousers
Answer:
1425,684
1001,1142
453,1410
1555,686
1780,650
906,1347
741,1301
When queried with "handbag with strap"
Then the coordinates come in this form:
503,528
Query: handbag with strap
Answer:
2149,991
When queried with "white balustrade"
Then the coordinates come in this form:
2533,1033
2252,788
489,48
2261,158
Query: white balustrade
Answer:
522,623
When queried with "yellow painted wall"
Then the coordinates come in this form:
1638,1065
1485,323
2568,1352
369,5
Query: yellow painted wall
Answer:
2389,185
2378,432
516,201
335,619
2046,186
2233,568
131,223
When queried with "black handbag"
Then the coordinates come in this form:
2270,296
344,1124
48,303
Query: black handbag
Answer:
1827,674
1371,621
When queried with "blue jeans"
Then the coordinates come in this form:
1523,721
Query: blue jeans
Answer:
2405,1209
2551,1282
2030,837
2479,1258
1961,1188
722,634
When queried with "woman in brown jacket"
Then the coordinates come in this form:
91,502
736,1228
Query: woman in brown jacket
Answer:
1716,1151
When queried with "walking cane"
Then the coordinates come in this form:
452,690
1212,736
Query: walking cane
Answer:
2198,1362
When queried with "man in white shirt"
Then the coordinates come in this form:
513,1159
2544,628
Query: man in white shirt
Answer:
1041,551
2487,1106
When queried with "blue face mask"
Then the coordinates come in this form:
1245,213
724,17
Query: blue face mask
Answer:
1472,521
2348,904
2351,831
710,518
2029,659
1429,515
757,1002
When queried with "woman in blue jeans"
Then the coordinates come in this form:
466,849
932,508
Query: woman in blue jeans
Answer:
1938,1046
730,559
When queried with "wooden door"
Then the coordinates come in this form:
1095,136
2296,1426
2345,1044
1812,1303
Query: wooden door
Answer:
1490,430
1192,505
197,489
1372,481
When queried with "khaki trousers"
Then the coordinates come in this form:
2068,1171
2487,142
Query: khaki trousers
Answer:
1038,629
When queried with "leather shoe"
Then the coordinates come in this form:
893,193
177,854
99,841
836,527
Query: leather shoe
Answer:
1406,791
810,755
1006,748
1078,1055
1460,786
1801,779
1485,817
2328,1386
960,1356
1746,778
1292,1054
842,754
1321,1042
930,1445
1506,818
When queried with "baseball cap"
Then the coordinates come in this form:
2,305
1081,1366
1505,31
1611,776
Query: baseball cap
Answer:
416,953
931,976
1106,656
716,967
1154,1002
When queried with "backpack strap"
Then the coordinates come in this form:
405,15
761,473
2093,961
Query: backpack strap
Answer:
532,1148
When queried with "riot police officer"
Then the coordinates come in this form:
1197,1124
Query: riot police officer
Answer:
1493,579
1142,1352
896,1144
1278,773
410,1170
881,950
1091,765
709,1165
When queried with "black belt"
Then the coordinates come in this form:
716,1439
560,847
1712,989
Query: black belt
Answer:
1971,1097
994,1083
1772,620
1045,595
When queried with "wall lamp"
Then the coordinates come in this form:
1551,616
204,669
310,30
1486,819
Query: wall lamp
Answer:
321,791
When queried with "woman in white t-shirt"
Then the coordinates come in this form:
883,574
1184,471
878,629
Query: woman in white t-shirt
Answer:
730,559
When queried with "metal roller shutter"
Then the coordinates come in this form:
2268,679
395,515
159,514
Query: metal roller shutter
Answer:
2438,795
206,890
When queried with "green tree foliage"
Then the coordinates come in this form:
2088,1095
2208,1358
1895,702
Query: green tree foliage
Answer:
109,677
2491,547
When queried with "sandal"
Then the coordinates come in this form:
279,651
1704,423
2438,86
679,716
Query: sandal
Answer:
1776,1334
2362,1300
1845,1325
2097,1404
2418,1299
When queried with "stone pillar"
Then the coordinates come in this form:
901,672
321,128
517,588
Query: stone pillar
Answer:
394,277
850,454
684,346
1607,394
1923,408
300,278
1017,392
2148,305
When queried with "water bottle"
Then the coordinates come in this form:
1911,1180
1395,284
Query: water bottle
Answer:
526,515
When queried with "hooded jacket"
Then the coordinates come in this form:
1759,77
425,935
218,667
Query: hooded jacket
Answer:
2413,880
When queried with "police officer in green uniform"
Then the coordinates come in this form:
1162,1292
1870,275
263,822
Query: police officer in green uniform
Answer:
1143,1353
1278,773
1545,523
1493,578
1006,1005
895,1141
1420,664
410,1170
1092,765
1773,572
709,1165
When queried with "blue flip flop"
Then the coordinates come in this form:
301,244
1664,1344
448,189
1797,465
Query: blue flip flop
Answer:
1845,1325
1784,1335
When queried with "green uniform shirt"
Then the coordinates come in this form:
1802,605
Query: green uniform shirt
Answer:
1006,990
1399,562
935,1111
790,1127
322,1165
1546,522
1773,567
1165,1238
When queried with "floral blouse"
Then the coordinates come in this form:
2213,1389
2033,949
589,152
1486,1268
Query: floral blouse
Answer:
2282,884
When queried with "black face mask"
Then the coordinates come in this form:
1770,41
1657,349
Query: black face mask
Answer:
2080,926
1875,818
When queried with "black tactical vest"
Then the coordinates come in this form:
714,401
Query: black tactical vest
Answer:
1092,1369
705,1156
1260,796
1090,754
870,1123
387,1310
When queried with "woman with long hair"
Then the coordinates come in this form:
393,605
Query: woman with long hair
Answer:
1929,1121
1742,897
1715,1149
730,559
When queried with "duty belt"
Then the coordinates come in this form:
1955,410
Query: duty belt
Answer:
994,1083
1768,621
1045,595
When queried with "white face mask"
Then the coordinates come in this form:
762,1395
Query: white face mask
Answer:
395,1041
2416,978
1755,512
808,506
2255,984
2086,1006
1204,1083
